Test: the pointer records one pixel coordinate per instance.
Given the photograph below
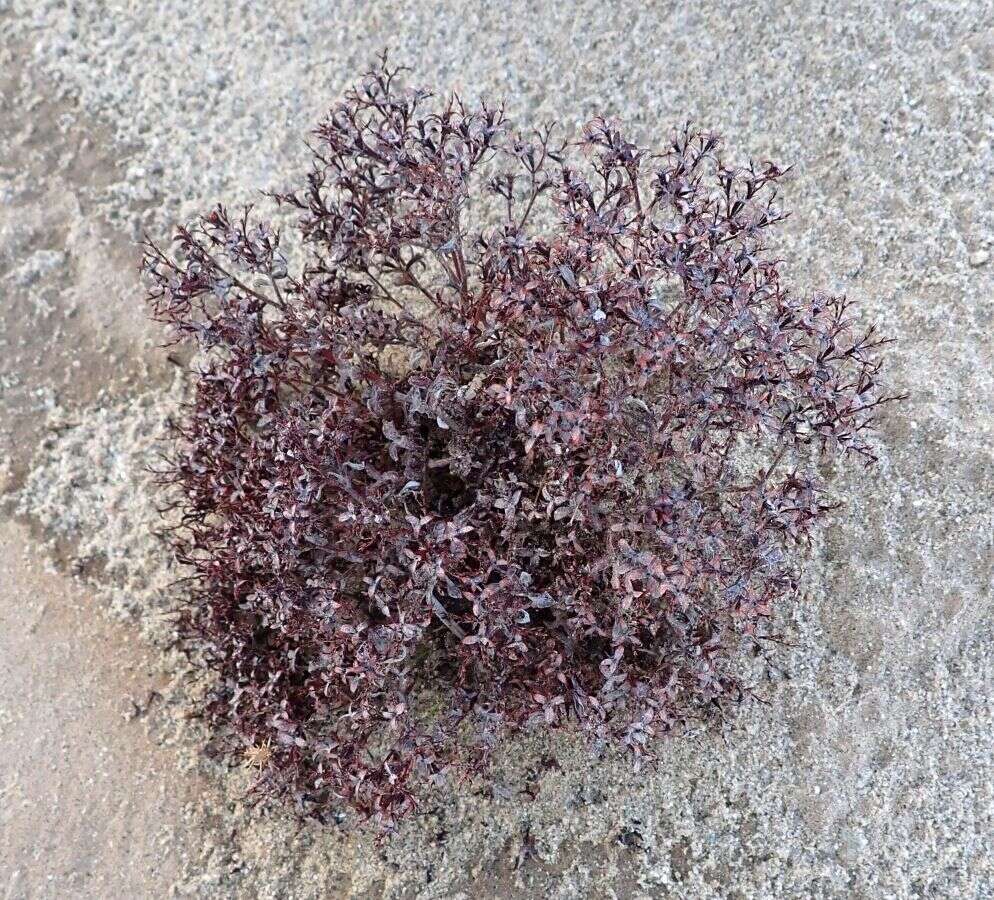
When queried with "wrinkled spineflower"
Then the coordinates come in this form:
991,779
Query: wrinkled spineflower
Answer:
459,474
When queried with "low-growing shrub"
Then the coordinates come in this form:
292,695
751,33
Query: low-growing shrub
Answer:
525,440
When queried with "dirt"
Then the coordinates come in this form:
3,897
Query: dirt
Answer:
869,770
90,804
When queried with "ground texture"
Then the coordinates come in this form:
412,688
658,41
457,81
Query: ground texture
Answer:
868,773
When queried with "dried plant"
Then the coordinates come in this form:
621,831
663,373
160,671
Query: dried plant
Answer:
461,475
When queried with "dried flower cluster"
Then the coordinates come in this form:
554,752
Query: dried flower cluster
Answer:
451,480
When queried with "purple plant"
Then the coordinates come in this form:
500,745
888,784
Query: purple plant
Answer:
443,481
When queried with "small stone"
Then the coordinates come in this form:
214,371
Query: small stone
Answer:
979,258
37,266
215,78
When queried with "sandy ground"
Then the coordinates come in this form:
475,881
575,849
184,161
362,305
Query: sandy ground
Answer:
868,774
82,785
